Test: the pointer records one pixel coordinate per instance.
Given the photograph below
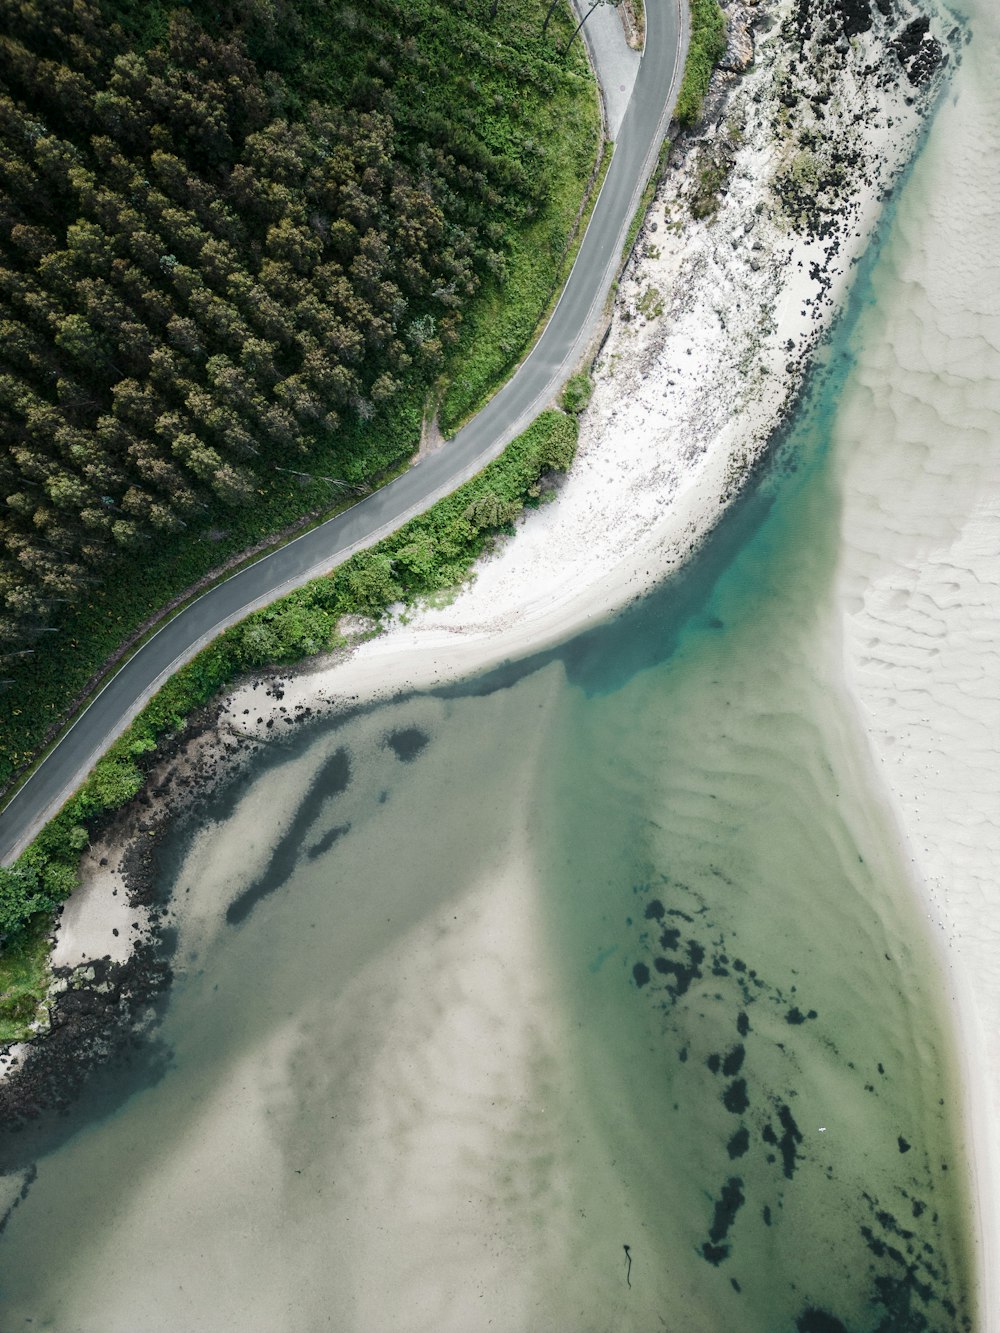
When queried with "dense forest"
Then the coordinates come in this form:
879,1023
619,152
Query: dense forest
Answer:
237,245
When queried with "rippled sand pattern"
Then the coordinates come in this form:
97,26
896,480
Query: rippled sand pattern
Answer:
602,1010
919,439
783,1075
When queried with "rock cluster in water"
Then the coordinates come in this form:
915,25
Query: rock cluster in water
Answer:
683,965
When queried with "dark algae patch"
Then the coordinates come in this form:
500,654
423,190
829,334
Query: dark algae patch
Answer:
331,780
739,1143
789,1166
790,1138
407,743
733,1062
326,842
728,1204
818,1321
735,1098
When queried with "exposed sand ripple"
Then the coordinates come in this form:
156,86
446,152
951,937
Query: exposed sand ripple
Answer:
919,583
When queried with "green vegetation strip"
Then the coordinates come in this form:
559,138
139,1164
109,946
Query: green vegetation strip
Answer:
507,322
433,552
24,978
706,49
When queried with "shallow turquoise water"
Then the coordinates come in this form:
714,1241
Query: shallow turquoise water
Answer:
769,1009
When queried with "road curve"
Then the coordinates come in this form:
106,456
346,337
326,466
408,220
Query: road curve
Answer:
553,358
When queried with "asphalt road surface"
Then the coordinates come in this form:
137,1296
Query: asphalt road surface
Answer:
554,357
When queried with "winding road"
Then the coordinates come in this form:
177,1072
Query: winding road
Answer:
554,357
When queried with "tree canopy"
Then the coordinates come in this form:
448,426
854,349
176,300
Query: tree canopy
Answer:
224,244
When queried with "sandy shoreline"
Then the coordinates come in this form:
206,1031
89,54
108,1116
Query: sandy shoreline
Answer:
716,324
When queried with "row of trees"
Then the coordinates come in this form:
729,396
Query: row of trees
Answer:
204,275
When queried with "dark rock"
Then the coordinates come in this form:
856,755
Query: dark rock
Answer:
855,16
739,1144
99,1051
918,53
735,1098
818,1321
739,52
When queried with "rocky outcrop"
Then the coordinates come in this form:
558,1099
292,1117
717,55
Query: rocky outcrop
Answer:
740,44
747,255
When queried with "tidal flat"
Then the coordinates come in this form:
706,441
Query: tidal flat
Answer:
589,993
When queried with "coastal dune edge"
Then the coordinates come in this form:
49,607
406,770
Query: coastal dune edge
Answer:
717,322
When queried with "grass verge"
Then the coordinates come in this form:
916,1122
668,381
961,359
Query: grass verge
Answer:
508,318
707,47
24,978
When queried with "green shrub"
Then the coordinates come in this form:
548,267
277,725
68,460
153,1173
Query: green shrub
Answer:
558,447
370,583
706,49
489,511
115,782
576,394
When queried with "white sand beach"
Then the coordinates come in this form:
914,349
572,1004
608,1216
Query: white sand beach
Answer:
714,326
